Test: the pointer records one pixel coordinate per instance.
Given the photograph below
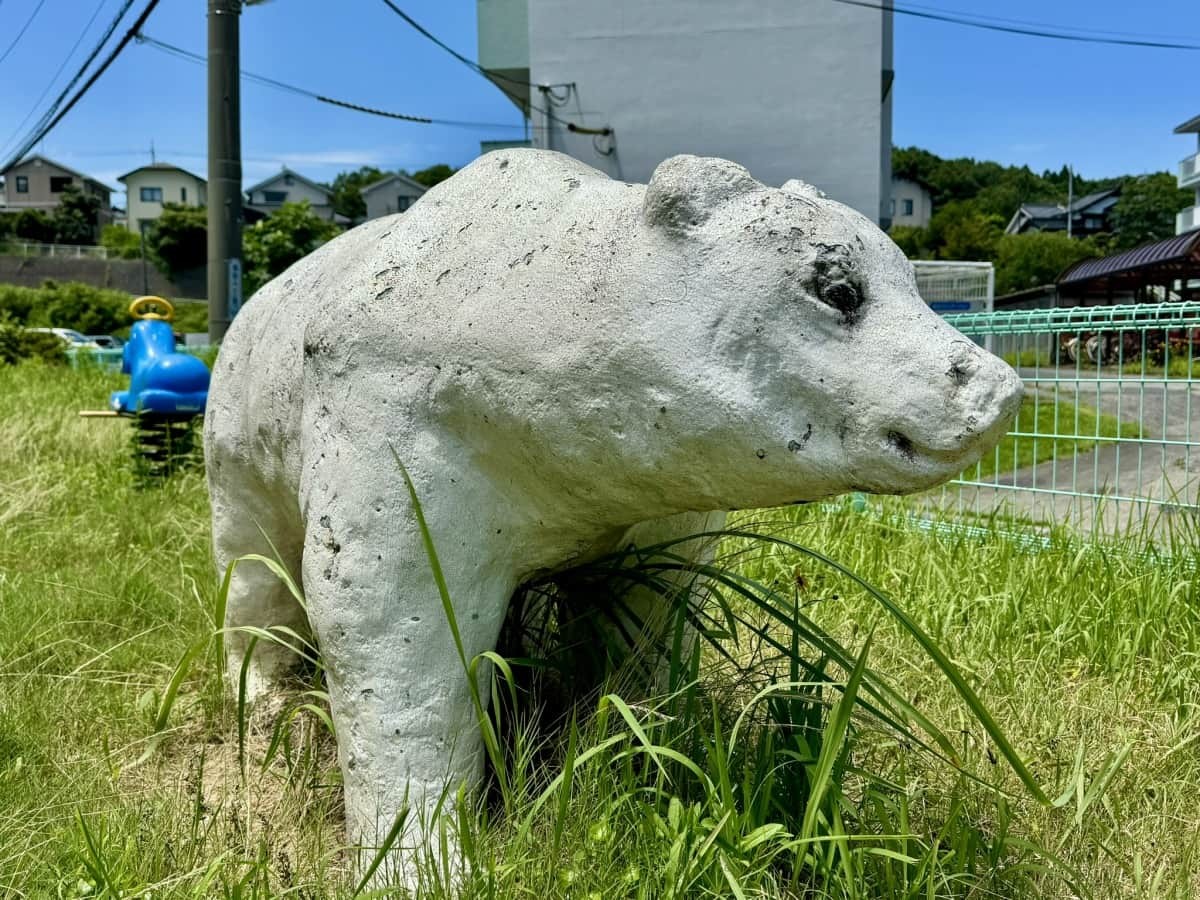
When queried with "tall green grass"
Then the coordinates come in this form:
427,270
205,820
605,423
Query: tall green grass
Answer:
757,774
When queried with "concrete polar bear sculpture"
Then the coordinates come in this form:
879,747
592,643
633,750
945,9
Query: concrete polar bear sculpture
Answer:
557,358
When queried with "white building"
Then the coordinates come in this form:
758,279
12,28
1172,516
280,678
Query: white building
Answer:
393,194
912,204
1189,177
787,89
149,187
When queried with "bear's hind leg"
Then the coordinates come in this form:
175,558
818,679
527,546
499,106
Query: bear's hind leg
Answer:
247,522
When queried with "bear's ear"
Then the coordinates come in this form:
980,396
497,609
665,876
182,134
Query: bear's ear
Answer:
684,190
798,188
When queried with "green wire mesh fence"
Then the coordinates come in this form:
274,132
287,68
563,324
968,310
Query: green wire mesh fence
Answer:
1108,436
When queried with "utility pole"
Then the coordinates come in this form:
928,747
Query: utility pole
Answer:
224,168
1070,198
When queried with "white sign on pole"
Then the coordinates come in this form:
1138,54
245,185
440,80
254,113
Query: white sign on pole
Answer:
233,268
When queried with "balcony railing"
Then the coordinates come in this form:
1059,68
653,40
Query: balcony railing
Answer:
1189,171
1187,220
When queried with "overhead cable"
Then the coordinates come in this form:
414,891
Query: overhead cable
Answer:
546,89
1057,35
87,85
20,34
189,56
38,102
465,60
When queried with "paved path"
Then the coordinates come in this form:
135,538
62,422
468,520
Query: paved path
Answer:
1152,483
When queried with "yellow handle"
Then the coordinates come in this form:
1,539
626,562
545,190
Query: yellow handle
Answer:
152,308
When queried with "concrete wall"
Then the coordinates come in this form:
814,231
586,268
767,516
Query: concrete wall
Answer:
118,274
922,203
173,182
503,34
787,89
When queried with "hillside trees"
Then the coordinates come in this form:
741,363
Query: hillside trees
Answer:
1147,208
974,200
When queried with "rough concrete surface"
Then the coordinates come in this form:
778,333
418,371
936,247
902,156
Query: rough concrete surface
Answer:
555,357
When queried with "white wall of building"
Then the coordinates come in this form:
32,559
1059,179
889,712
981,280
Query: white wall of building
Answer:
787,89
175,186
293,189
911,203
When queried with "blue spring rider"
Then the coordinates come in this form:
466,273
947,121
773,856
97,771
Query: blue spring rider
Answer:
162,382
167,392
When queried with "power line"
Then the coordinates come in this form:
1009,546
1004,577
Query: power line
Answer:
24,28
187,55
1033,24
53,108
1057,35
38,102
547,89
465,60
87,85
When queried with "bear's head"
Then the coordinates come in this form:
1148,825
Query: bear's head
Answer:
809,363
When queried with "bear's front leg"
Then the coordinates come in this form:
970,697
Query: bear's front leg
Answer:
407,729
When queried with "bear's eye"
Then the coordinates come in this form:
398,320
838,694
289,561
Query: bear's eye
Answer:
833,282
842,296
836,289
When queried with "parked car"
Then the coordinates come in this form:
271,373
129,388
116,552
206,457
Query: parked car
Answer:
106,341
72,338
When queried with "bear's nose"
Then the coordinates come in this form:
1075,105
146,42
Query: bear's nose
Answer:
964,364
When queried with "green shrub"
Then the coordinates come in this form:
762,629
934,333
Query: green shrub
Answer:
34,225
66,305
177,240
16,344
191,317
121,242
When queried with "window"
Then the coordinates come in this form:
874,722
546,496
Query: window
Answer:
908,207
151,195
183,195
274,196
22,184
287,179
893,206
403,203
59,183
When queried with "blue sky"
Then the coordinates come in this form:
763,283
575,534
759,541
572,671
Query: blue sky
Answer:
958,91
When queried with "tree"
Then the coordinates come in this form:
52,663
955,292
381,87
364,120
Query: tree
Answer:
177,241
76,217
347,191
960,231
120,242
1038,257
33,225
433,175
1147,208
272,244
912,240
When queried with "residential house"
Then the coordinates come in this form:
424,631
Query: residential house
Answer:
912,203
789,90
38,183
1091,214
393,194
1189,177
290,187
149,187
